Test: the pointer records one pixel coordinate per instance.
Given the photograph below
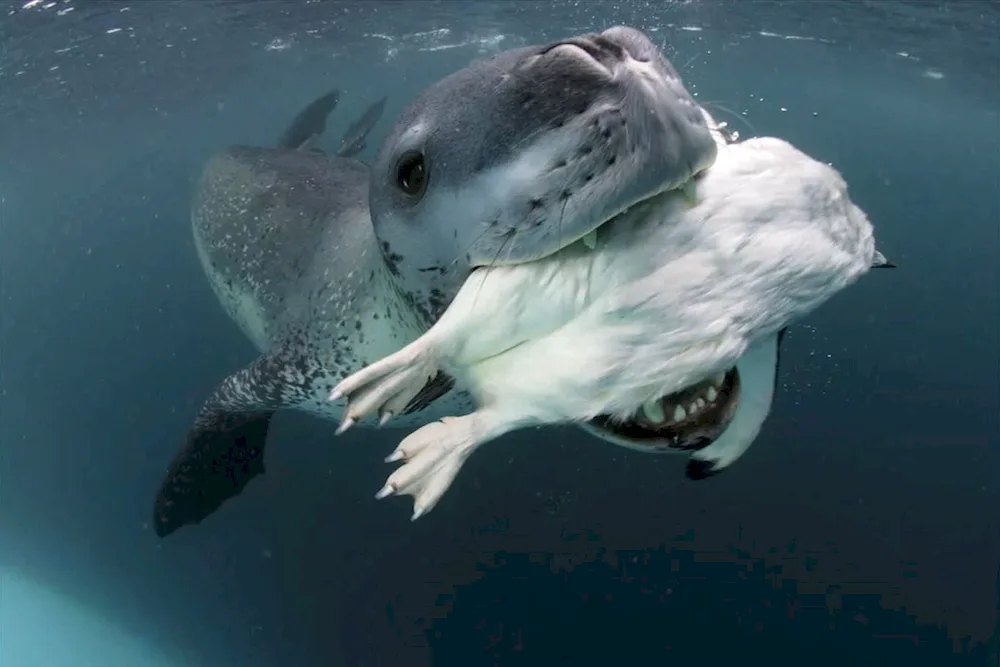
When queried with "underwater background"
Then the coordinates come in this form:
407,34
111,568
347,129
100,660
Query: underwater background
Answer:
860,529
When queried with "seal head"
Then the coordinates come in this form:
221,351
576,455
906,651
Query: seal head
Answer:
513,158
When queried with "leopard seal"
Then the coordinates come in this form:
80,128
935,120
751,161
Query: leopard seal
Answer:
513,158
663,334
328,266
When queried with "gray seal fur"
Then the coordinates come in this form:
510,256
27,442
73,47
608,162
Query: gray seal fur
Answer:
529,151
285,237
576,130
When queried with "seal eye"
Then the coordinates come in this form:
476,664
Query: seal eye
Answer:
411,174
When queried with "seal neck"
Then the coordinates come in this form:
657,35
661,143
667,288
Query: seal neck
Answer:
425,292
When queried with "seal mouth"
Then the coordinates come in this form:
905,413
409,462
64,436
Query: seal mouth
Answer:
686,420
590,238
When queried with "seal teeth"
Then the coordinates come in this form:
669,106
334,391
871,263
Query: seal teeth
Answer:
691,403
590,240
694,404
654,411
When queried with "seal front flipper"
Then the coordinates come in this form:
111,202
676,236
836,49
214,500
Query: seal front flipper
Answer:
310,123
225,445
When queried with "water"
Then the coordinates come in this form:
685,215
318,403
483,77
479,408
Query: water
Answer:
860,529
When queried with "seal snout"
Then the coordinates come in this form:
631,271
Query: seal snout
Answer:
598,47
609,48
595,48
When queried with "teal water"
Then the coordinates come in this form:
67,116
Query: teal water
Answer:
862,528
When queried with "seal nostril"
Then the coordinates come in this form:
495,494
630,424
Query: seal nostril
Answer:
626,47
609,48
598,47
639,56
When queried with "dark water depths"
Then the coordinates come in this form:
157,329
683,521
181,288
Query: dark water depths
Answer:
862,528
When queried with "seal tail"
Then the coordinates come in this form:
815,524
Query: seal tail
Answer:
225,445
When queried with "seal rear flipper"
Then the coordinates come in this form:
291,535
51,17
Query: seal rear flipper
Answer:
354,139
225,445
310,123
352,150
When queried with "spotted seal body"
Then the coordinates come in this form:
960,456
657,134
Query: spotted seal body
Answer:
285,238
